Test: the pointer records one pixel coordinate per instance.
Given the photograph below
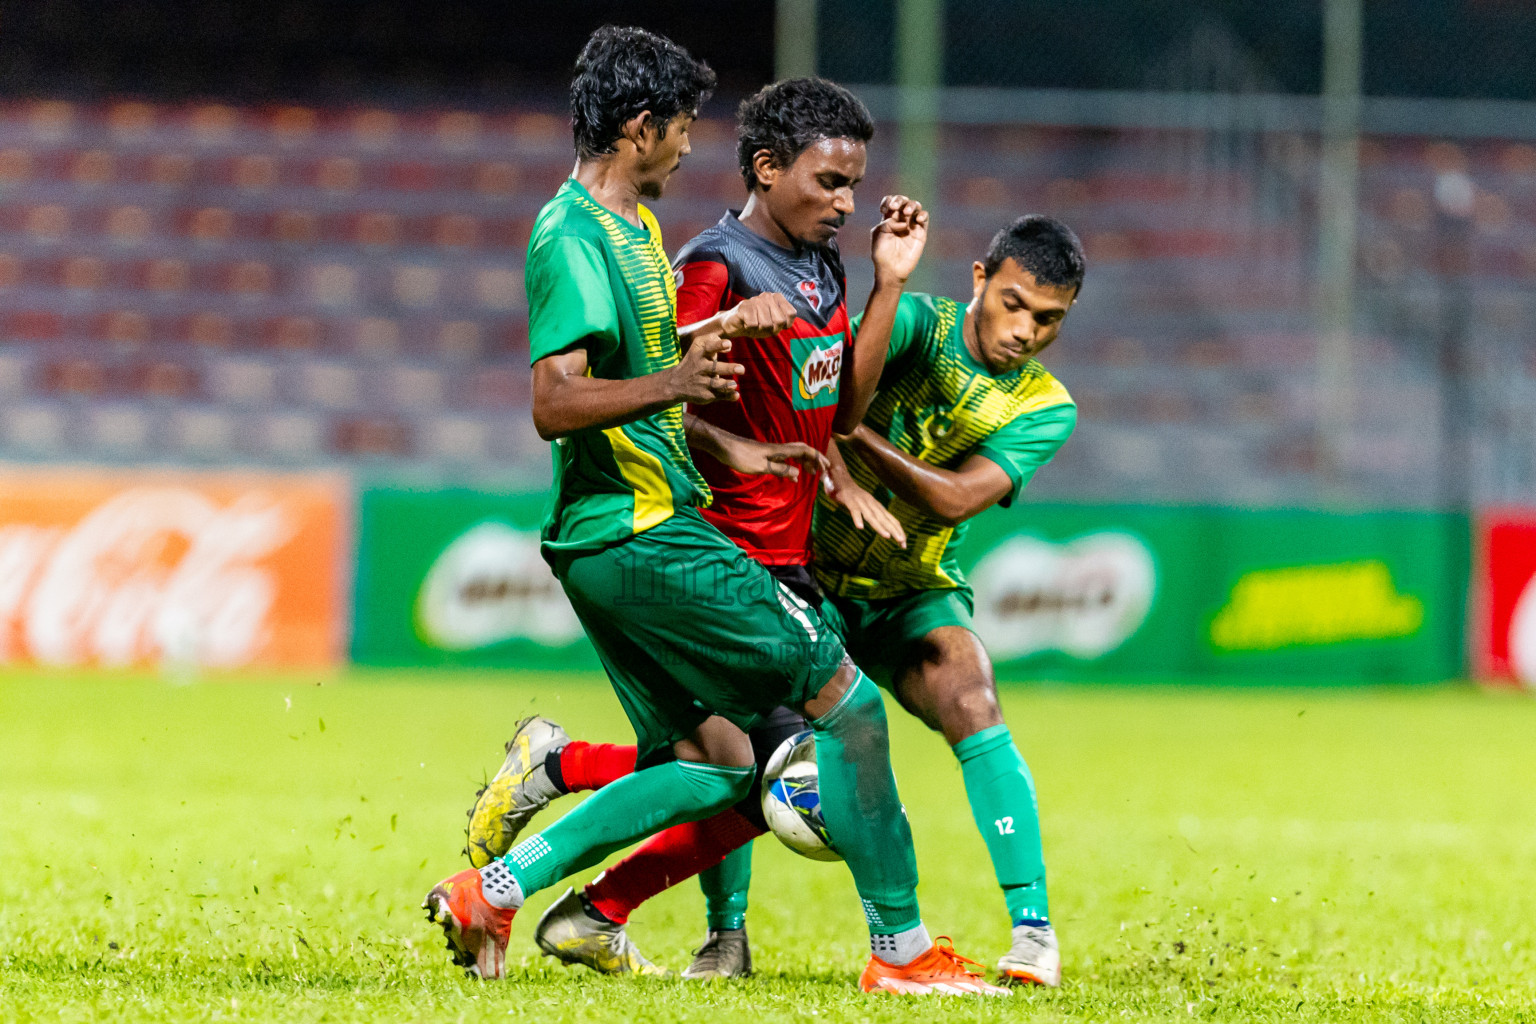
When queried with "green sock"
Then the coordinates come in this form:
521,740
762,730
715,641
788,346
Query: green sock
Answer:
725,890
1002,795
621,812
865,819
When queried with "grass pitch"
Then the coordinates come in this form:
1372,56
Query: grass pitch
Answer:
255,850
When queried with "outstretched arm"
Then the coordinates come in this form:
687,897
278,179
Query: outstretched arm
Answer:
567,400
951,496
896,245
752,457
761,316
863,508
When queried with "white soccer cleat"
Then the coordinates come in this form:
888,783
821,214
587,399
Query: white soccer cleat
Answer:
1035,959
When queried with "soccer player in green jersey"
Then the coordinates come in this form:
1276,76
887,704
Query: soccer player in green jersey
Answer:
964,417
698,640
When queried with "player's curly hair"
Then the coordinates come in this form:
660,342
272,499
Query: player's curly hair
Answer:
786,117
1045,247
624,71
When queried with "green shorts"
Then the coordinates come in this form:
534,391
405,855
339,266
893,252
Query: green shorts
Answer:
688,626
885,635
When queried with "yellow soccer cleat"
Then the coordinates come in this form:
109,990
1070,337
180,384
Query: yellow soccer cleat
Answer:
571,935
521,789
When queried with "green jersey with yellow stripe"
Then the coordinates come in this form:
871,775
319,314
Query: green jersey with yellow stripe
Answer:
596,281
937,403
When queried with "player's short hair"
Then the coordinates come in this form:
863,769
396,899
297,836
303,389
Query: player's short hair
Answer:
787,117
1044,246
624,71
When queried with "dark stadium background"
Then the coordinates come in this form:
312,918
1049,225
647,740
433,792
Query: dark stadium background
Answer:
288,237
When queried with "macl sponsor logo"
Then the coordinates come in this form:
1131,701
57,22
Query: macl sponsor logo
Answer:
1083,598
821,370
491,585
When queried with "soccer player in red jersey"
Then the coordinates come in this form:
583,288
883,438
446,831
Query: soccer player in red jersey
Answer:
802,151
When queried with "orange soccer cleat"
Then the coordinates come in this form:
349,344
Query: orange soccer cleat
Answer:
477,931
940,971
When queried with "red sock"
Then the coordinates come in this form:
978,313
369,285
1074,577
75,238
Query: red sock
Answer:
667,858
593,765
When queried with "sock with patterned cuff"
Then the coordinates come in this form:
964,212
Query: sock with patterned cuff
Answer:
900,947
499,887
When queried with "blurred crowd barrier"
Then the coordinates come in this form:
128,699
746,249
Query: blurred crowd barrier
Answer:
207,284
272,295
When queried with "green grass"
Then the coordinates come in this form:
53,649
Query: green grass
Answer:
255,850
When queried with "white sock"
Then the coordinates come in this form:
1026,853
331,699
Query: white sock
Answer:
499,887
902,947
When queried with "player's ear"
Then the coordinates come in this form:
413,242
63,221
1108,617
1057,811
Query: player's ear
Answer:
978,279
640,130
765,169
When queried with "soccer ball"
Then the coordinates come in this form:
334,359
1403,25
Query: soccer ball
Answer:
792,799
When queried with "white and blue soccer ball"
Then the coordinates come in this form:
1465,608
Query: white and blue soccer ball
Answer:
792,799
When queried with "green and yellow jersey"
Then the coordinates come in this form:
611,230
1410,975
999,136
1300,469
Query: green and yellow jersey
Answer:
598,282
938,404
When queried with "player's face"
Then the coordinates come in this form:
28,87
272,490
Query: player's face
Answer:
662,154
812,197
1014,316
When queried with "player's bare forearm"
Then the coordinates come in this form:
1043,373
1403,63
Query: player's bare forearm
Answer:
761,316
704,436
951,496
564,403
861,374
750,457
710,325
862,507
567,400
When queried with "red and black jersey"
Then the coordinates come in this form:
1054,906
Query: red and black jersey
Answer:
790,389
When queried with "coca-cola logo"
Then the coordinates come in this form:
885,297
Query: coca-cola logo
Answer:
1084,598
491,585
150,574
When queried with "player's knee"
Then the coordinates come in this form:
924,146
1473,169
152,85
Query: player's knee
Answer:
716,741
968,707
846,686
716,787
